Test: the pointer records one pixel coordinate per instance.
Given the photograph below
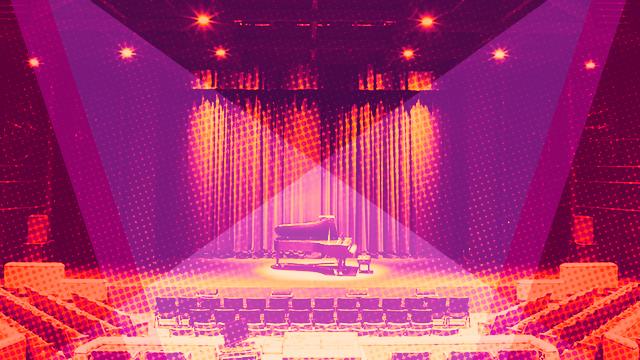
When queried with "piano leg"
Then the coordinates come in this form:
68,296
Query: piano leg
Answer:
342,265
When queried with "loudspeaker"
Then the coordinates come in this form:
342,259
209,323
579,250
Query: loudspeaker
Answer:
38,229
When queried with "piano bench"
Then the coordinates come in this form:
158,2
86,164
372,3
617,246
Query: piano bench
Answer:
364,260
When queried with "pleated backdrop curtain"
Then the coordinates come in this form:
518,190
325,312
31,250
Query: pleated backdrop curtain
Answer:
259,164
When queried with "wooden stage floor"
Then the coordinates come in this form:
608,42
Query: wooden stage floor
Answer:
257,278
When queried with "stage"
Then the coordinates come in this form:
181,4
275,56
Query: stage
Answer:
257,278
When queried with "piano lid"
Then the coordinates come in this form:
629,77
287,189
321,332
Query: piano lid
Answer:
322,229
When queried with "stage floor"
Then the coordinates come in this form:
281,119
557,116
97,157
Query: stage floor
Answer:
257,278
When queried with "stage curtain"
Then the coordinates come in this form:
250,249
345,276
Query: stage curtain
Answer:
255,164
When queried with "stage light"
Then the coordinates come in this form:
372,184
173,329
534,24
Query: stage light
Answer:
220,53
127,52
500,54
590,65
203,20
408,54
33,62
427,22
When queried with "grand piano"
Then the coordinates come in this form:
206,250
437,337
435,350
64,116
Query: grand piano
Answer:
320,236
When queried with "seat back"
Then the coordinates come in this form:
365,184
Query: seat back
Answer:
346,303
301,304
347,316
224,315
392,303
470,355
421,316
299,316
209,302
323,316
200,315
458,305
110,355
157,355
518,355
410,356
256,303
372,316
397,316
369,303
279,303
187,303
251,316
414,303
166,305
274,316
323,303
232,303
438,306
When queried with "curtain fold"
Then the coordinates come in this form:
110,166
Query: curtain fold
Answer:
257,163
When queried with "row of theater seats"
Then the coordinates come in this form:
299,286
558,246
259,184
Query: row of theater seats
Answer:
274,321
126,355
110,315
570,332
516,313
50,330
225,309
474,355
502,355
71,315
554,314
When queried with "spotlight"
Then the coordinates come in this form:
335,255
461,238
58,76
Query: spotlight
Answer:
427,22
33,62
127,52
590,65
500,54
408,54
203,20
220,53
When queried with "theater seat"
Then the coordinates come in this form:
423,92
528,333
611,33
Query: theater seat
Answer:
110,355
518,355
232,303
458,309
300,319
347,319
224,316
392,303
438,306
165,356
397,317
279,303
414,303
209,302
256,303
346,303
251,316
410,356
275,320
323,303
301,304
479,355
166,309
323,318
369,303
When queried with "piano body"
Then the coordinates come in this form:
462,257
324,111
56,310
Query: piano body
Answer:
319,236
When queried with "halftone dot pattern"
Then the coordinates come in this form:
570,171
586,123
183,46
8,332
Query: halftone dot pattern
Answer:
403,142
